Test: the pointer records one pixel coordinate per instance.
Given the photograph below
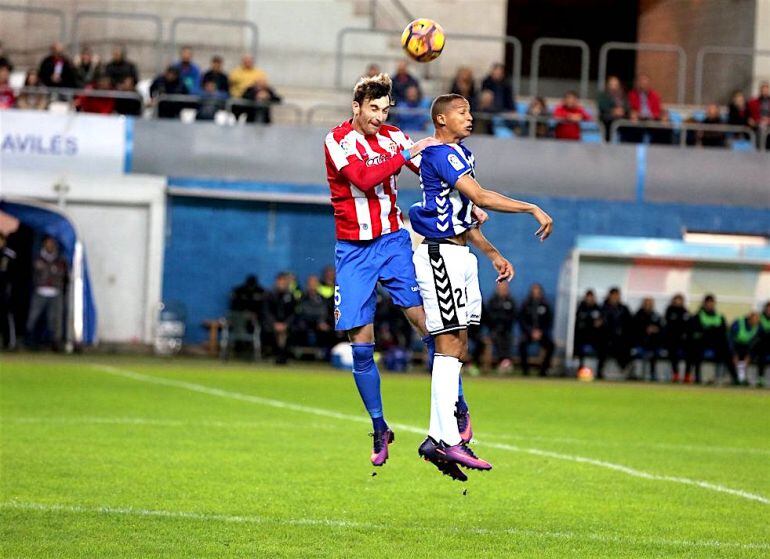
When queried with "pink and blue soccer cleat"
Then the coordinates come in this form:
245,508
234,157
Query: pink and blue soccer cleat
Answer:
428,452
462,455
380,449
464,425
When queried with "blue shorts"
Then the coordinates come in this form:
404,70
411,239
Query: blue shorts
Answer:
360,265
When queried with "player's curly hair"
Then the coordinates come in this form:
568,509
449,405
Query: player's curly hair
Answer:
373,88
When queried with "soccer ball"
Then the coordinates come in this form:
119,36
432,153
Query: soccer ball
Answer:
423,40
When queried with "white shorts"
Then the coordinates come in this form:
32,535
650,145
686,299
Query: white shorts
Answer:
448,277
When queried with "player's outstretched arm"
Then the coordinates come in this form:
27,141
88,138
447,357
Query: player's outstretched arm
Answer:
365,177
491,200
505,270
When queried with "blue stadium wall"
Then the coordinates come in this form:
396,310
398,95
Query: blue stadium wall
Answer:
213,244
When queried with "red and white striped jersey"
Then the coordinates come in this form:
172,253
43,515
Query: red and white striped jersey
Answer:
362,172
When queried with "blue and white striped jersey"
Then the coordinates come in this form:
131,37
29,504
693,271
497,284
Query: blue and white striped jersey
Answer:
444,211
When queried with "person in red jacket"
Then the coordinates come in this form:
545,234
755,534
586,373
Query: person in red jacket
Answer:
645,104
759,110
570,115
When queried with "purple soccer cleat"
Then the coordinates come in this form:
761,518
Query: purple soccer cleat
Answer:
462,455
464,425
380,449
428,452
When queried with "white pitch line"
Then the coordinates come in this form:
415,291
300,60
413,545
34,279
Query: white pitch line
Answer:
348,524
152,421
202,389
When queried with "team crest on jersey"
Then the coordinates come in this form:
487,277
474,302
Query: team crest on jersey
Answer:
392,148
455,162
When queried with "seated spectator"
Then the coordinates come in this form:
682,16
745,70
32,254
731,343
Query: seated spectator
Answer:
588,327
645,105
56,69
483,119
278,313
745,337
538,109
4,60
242,77
616,335
216,75
464,85
569,114
97,104
119,67
7,95
708,339
763,347
402,80
712,138
535,321
738,112
87,67
189,72
413,112
759,110
327,286
126,105
500,317
497,83
50,286
8,277
648,326
675,334
168,83
314,324
373,70
260,92
248,296
211,101
612,104
35,100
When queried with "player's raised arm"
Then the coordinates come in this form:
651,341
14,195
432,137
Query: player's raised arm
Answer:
491,200
505,270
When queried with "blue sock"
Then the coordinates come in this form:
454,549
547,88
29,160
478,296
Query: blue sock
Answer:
430,344
462,405
367,379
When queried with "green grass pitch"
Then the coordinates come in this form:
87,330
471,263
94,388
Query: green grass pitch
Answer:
127,457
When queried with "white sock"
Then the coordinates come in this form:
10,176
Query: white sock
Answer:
446,376
435,425
742,371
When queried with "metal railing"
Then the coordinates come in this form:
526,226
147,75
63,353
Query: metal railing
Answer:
138,16
711,50
681,129
585,61
397,4
292,108
194,102
222,22
53,12
645,47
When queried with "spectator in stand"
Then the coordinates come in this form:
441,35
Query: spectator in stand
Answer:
32,100
465,85
50,281
126,105
216,75
645,105
7,279
7,95
373,70
87,67
648,326
313,324
738,113
278,314
327,286
763,347
402,80
500,317
570,114
412,112
712,138
538,109
588,327
119,67
745,337
616,335
759,110
97,104
497,83
211,101
612,103
248,296
675,334
708,339
242,77
535,321
484,118
56,69
260,92
4,60
168,83
189,72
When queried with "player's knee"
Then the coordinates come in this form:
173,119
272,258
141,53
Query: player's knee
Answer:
363,357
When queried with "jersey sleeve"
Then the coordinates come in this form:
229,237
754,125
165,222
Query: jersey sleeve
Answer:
448,165
340,151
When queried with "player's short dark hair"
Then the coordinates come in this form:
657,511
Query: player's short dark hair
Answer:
440,104
373,88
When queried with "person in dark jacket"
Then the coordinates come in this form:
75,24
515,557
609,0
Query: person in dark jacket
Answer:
588,327
218,76
744,339
648,331
675,330
118,68
56,69
87,67
50,286
403,80
500,316
616,335
278,311
314,324
535,321
7,278
708,339
763,346
260,92
497,83
168,83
